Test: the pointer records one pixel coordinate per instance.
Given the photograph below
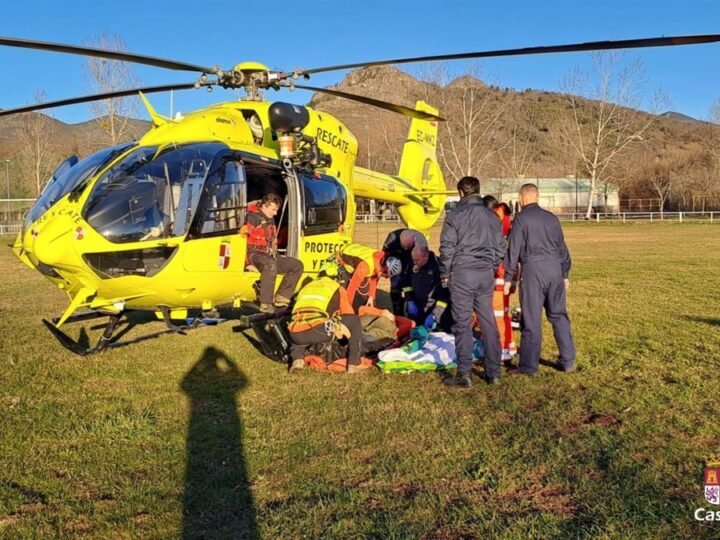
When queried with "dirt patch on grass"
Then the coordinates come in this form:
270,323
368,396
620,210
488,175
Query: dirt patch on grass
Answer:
77,526
24,510
599,419
7,521
407,490
551,498
602,420
143,518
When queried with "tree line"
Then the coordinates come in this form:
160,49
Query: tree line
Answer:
601,126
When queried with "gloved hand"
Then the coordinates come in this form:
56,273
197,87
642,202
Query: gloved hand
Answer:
430,322
412,309
439,309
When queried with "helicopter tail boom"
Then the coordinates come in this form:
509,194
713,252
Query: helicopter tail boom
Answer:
419,187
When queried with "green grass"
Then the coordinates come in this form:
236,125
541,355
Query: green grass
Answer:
200,435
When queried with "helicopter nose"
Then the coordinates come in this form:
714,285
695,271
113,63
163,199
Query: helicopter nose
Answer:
53,243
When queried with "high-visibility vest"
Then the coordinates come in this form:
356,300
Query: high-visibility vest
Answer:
353,254
314,298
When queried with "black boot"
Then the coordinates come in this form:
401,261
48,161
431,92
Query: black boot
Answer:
461,380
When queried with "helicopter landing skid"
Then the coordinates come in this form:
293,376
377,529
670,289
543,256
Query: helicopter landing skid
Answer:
107,340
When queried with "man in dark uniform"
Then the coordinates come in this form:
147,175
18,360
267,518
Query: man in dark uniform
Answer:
536,241
471,249
426,299
399,243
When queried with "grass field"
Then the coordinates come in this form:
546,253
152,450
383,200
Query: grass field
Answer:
201,436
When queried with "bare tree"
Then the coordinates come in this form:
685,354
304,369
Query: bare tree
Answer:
603,122
112,115
470,137
35,132
715,112
706,180
521,148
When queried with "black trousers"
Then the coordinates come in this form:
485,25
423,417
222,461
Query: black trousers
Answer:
542,286
317,334
270,267
471,289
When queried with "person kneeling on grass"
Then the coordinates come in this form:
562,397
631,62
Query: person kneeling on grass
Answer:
322,313
426,299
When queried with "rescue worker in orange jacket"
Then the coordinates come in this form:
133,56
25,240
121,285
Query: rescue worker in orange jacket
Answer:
501,301
366,264
262,254
322,312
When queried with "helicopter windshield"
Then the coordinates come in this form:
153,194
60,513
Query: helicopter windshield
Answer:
150,193
64,180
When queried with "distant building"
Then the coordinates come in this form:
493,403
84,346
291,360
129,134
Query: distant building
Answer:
559,195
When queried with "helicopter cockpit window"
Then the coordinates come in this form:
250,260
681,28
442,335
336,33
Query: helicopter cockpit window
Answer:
67,178
325,204
150,193
223,207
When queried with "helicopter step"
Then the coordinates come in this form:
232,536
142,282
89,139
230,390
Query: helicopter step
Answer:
109,340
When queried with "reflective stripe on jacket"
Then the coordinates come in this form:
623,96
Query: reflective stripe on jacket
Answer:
314,298
353,254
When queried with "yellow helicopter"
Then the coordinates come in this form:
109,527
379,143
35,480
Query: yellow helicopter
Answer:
155,224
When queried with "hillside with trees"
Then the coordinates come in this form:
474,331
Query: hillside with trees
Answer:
491,132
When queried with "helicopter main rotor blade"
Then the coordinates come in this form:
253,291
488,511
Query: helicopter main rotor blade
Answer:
407,111
573,47
104,53
97,97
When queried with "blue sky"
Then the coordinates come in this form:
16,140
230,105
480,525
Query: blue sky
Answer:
285,35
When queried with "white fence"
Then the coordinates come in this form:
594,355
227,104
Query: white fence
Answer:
624,217
11,225
12,213
13,228
377,218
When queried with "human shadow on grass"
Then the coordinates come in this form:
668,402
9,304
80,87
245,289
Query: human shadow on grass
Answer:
710,321
217,501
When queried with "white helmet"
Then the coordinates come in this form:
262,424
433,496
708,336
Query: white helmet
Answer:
394,266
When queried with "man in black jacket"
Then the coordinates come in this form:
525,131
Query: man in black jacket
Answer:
426,299
537,242
400,243
471,249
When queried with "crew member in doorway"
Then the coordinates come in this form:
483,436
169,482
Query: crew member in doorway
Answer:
262,254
